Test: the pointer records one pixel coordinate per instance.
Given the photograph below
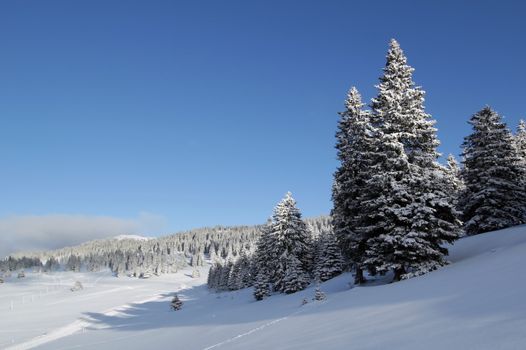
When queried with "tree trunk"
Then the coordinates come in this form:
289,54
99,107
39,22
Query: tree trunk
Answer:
398,274
358,276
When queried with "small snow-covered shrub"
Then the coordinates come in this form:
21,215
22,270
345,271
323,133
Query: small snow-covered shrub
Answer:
176,303
77,286
319,295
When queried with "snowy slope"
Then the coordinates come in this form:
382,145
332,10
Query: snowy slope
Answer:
478,302
132,237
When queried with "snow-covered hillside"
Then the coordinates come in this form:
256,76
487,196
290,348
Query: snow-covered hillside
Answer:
477,302
132,237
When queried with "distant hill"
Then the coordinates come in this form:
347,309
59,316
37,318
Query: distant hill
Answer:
136,255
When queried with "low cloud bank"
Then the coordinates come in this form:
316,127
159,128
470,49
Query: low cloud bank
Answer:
42,232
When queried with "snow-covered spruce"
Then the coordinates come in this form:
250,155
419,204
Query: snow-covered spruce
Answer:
283,257
243,277
494,196
328,257
261,285
318,294
77,286
295,278
356,147
407,212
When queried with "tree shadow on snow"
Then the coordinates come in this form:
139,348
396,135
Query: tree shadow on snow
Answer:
204,308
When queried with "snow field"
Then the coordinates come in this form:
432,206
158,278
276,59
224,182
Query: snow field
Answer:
477,302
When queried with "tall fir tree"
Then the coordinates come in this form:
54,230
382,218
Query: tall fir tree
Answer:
355,150
494,197
409,214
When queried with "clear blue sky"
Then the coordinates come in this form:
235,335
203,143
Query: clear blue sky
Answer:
207,112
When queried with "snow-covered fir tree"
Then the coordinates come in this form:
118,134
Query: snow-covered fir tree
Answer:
226,272
329,261
408,212
243,278
295,278
318,294
283,259
494,196
211,278
288,239
263,257
261,285
355,145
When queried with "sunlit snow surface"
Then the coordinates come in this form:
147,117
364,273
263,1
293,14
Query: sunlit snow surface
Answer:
478,302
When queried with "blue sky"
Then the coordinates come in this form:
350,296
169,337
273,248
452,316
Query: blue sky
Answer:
207,112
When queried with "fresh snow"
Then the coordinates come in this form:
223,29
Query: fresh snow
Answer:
132,237
477,302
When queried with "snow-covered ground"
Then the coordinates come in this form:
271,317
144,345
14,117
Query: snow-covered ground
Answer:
478,302
132,237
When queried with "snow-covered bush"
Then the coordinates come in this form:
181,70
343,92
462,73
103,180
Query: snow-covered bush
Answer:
318,294
77,286
176,303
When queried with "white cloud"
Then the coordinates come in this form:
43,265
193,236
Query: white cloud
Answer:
39,232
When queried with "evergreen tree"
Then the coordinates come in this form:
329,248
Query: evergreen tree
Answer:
283,257
263,257
295,278
210,280
330,261
494,197
355,146
288,238
233,276
409,215
176,303
318,294
226,270
244,278
261,286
